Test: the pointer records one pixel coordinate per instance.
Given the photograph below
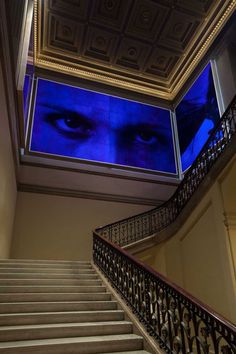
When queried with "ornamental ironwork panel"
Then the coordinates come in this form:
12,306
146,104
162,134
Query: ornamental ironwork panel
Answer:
176,320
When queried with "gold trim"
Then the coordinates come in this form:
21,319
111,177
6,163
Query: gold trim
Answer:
212,26
196,58
56,66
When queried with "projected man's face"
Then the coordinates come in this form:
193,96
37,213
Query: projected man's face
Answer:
79,123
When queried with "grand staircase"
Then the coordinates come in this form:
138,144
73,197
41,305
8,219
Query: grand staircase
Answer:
60,307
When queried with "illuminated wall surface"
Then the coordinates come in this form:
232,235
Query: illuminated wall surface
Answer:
196,117
26,94
73,122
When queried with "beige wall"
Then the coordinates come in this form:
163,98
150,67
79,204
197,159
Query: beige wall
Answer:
201,257
54,227
7,178
225,75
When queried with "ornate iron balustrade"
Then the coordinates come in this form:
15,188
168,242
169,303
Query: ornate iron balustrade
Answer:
179,322
145,224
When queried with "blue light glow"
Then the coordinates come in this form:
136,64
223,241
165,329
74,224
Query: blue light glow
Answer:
26,97
196,116
73,122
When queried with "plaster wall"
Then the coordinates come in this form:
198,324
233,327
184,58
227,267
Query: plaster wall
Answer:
201,256
7,177
57,227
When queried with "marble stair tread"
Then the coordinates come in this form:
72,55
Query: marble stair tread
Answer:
39,261
130,352
39,297
45,265
25,282
51,288
56,306
89,345
32,270
60,317
52,276
42,331
64,325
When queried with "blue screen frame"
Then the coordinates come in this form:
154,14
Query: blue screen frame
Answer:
91,126
196,117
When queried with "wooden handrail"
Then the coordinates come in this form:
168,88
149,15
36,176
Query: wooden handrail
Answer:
175,318
179,322
169,283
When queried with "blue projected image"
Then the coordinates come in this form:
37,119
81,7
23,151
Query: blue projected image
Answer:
196,116
26,97
74,122
26,90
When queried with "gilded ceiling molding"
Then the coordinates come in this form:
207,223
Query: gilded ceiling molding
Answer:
57,37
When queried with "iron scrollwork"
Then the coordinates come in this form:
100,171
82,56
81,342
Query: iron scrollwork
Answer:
178,322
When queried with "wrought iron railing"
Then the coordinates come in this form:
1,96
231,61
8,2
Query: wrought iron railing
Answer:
145,224
179,322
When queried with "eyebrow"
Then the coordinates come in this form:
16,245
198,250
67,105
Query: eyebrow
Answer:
54,107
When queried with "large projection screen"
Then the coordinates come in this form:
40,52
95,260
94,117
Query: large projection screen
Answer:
73,122
196,116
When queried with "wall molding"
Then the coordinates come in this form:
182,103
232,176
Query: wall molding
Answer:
64,192
230,220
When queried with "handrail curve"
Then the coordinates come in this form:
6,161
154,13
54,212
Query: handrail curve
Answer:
137,227
178,321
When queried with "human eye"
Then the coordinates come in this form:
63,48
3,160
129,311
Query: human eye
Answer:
71,125
145,137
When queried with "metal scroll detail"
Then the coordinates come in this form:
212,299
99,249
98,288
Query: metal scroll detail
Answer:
176,320
142,225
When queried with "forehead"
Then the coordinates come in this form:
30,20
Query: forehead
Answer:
50,92
116,110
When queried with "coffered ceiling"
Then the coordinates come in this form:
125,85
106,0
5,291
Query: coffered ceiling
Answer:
149,47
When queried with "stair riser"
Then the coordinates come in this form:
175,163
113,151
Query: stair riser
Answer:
40,261
63,332
48,276
39,282
59,307
43,265
21,319
54,297
75,348
47,270
52,289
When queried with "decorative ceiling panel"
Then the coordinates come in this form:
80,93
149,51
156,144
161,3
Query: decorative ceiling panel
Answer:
146,46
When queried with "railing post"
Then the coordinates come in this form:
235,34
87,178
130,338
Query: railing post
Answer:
147,298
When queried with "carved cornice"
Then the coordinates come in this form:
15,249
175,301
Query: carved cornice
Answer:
133,52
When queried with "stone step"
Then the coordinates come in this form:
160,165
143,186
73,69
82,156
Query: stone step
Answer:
57,306
74,345
26,297
131,352
48,276
30,332
45,265
39,282
60,317
39,261
32,270
51,289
